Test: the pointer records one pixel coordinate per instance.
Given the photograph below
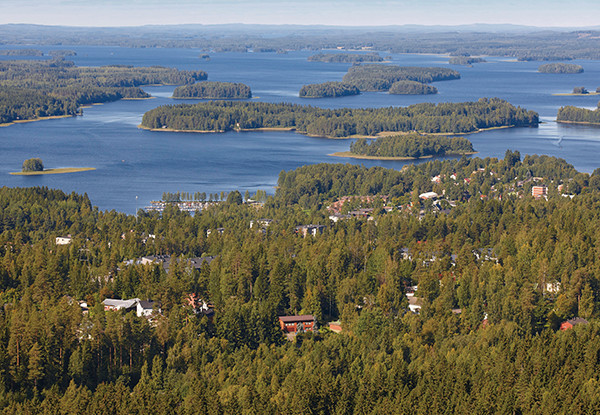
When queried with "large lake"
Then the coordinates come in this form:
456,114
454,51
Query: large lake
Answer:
131,162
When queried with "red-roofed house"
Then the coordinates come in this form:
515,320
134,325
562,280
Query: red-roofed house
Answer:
569,324
292,324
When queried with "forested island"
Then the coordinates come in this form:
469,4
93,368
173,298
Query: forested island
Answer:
465,60
21,52
345,57
560,68
31,90
462,117
405,147
411,88
62,53
328,90
374,77
213,90
571,114
494,276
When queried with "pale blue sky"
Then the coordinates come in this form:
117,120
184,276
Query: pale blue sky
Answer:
328,12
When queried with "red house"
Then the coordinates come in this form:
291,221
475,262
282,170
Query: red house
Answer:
292,324
569,324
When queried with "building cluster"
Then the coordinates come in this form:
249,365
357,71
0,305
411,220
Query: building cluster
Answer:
143,308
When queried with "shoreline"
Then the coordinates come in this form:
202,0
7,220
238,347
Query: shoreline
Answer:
579,122
62,170
348,154
293,129
211,98
571,94
52,117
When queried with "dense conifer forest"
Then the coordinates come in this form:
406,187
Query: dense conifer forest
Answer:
428,118
496,272
374,77
560,68
213,90
578,115
411,88
465,60
34,89
328,90
413,146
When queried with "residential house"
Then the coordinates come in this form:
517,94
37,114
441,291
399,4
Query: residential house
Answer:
218,231
313,230
63,240
539,191
147,308
199,306
569,324
261,223
295,324
428,195
115,305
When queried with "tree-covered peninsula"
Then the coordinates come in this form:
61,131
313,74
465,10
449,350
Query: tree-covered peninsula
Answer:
217,116
213,90
328,90
571,114
345,57
412,88
32,90
560,68
374,77
412,146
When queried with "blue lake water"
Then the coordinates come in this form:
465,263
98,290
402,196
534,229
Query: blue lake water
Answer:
131,162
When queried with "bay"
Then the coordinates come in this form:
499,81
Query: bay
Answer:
131,162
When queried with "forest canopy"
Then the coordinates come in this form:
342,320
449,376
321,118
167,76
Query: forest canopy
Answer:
560,68
34,89
413,146
496,274
328,90
578,115
213,90
412,88
376,77
344,122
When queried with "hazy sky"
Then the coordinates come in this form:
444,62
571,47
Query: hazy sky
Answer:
329,12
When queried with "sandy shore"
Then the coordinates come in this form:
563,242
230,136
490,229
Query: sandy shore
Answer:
53,171
54,117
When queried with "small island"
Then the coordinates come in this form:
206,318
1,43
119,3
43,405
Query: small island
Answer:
345,57
579,91
62,53
328,90
464,60
407,147
377,77
213,90
35,167
412,88
560,68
